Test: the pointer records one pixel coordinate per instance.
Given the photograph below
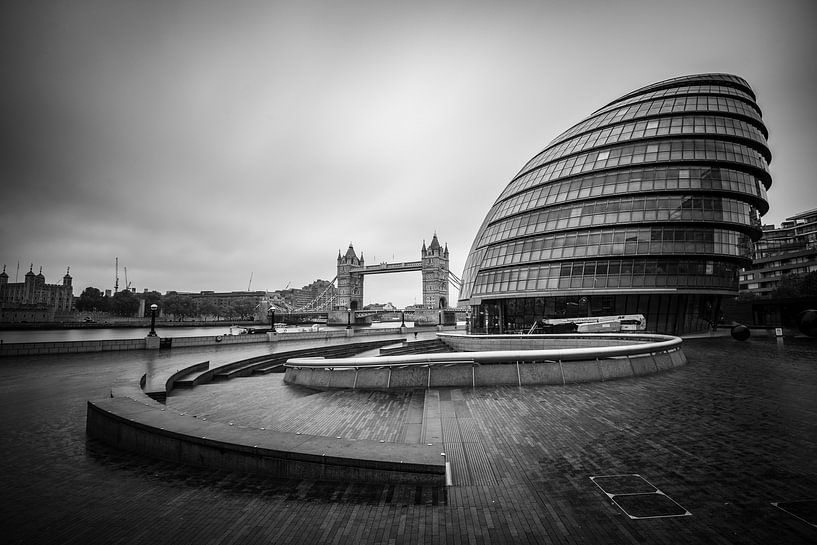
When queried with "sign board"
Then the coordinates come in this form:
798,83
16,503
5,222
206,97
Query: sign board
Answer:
778,332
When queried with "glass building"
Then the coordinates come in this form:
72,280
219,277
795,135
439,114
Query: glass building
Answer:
651,205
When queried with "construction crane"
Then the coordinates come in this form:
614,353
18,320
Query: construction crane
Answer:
116,280
250,284
127,284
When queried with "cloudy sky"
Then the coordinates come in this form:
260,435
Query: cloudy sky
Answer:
205,142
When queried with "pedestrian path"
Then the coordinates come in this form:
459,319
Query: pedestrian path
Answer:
730,437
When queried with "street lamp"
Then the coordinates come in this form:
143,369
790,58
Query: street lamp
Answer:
349,318
153,308
271,314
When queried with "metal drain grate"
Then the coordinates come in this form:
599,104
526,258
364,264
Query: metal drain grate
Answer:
637,497
805,510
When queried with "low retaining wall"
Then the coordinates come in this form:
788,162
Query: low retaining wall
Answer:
523,361
143,427
467,374
71,347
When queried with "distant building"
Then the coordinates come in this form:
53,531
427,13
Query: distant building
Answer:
283,300
790,249
301,297
228,298
33,300
380,307
223,297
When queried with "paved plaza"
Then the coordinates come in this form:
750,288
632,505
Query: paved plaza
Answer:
722,450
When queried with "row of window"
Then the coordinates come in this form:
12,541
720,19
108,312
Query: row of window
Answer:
675,313
624,273
647,128
629,182
622,210
611,242
681,90
472,264
662,151
699,103
721,79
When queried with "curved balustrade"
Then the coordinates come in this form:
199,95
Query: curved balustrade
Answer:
586,358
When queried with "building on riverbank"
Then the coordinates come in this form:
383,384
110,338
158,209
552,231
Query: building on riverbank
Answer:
651,205
33,300
790,249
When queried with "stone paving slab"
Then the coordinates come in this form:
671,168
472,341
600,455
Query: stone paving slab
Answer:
725,436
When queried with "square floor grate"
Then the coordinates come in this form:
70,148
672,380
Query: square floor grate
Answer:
637,497
805,510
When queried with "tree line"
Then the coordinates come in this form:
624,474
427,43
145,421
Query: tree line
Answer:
178,305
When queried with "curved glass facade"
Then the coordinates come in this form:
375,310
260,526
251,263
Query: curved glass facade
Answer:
650,205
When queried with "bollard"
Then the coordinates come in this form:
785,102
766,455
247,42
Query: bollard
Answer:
740,332
807,322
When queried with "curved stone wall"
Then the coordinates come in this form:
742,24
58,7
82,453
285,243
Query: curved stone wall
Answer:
520,360
130,420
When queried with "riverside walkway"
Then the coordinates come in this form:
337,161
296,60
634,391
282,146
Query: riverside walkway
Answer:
715,450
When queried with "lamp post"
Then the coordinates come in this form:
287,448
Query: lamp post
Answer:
153,308
271,314
349,318
403,318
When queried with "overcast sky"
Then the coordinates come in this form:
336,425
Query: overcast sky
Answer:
206,142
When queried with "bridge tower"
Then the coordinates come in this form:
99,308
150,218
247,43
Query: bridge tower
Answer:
435,275
350,285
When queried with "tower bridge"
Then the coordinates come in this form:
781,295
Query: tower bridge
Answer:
342,301
433,264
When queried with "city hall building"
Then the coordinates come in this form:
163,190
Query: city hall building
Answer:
651,205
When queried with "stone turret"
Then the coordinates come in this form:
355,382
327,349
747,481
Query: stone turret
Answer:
435,274
350,285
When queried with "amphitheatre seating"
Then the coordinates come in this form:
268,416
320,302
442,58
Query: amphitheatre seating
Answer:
269,363
144,427
158,386
133,419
